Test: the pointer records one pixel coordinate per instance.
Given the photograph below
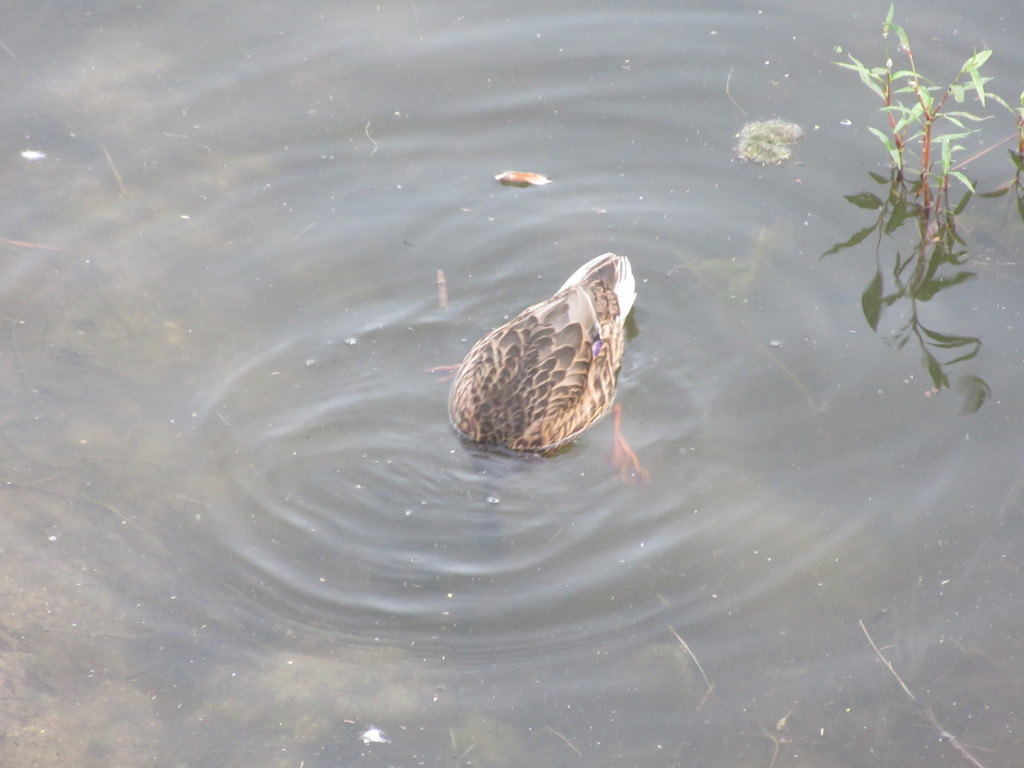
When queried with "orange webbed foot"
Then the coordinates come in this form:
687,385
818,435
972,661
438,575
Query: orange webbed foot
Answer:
623,458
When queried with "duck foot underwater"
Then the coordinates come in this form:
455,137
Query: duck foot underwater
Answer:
623,458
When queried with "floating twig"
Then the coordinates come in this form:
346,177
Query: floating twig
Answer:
22,244
442,290
466,751
886,661
366,130
113,169
445,372
690,653
728,79
950,739
778,741
984,151
568,743
305,229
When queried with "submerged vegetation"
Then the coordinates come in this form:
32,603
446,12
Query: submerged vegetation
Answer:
922,141
769,142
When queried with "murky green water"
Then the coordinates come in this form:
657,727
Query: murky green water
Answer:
237,527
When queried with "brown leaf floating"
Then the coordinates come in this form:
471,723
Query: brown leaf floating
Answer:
522,179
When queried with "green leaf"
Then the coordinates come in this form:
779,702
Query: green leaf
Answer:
969,356
967,116
975,392
946,138
900,341
888,17
902,35
963,201
947,157
946,341
871,301
999,100
890,146
872,79
857,238
971,67
994,193
951,117
962,179
902,212
915,114
978,59
929,288
927,100
939,379
978,83
866,200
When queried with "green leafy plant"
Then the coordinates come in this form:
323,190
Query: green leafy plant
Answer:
919,115
926,125
936,264
1016,184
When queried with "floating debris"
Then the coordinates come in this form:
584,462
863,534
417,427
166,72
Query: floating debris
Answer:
768,142
522,179
442,290
33,155
374,736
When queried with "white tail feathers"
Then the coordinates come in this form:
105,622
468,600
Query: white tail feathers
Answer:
614,270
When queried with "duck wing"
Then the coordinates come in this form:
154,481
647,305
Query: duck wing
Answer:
524,385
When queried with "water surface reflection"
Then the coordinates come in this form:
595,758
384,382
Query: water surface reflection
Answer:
239,528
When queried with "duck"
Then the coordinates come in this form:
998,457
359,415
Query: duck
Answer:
540,380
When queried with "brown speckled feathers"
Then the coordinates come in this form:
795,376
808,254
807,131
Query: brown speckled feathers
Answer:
541,379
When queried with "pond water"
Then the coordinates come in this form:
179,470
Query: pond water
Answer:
238,529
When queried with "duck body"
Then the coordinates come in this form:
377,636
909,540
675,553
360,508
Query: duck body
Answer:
540,380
